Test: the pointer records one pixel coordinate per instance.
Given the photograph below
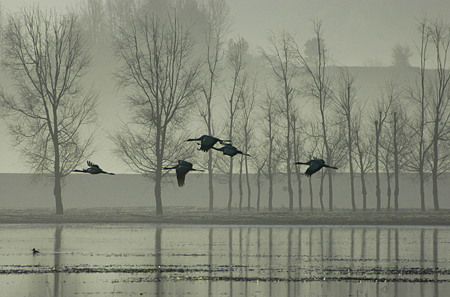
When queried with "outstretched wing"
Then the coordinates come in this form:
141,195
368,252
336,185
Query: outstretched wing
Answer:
313,168
90,164
208,142
181,174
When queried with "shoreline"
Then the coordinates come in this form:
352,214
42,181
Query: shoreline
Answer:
201,216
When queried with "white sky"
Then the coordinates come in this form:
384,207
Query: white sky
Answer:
354,31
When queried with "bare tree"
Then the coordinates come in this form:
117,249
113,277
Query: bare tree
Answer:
389,95
240,185
440,99
248,127
396,162
237,61
431,105
401,146
298,150
400,55
47,56
280,59
161,76
92,14
117,14
345,104
364,152
318,87
218,25
259,164
314,148
419,96
269,132
395,143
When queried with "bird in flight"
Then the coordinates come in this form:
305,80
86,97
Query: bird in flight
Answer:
35,251
182,168
314,166
207,142
230,150
93,169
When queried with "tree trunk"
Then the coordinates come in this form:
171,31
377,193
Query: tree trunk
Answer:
269,169
389,192
249,190
288,159
270,190
230,185
158,172
241,191
434,172
377,168
290,191
396,165
210,180
330,191
322,177
57,165
350,151
258,182
311,194
422,188
299,185
159,208
364,190
210,163
57,193
296,157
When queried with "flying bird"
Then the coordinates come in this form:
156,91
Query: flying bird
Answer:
230,150
207,142
93,169
182,168
35,251
314,166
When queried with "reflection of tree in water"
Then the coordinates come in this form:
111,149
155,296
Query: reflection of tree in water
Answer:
289,257
422,258
435,261
210,258
57,249
230,250
158,262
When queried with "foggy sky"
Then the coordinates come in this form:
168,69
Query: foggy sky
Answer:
354,32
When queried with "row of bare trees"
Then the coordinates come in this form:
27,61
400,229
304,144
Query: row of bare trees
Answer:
177,65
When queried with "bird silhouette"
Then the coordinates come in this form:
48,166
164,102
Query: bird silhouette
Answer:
207,142
93,169
230,150
35,251
182,168
314,165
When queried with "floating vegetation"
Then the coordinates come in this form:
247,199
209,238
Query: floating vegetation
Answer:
225,273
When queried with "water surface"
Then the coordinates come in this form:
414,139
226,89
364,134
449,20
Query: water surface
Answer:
176,260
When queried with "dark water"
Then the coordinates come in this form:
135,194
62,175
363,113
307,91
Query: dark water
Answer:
174,260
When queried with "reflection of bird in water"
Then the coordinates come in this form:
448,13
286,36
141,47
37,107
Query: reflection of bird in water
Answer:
314,166
182,168
35,251
207,142
93,169
230,150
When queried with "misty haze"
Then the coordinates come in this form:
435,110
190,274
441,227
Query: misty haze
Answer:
253,128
